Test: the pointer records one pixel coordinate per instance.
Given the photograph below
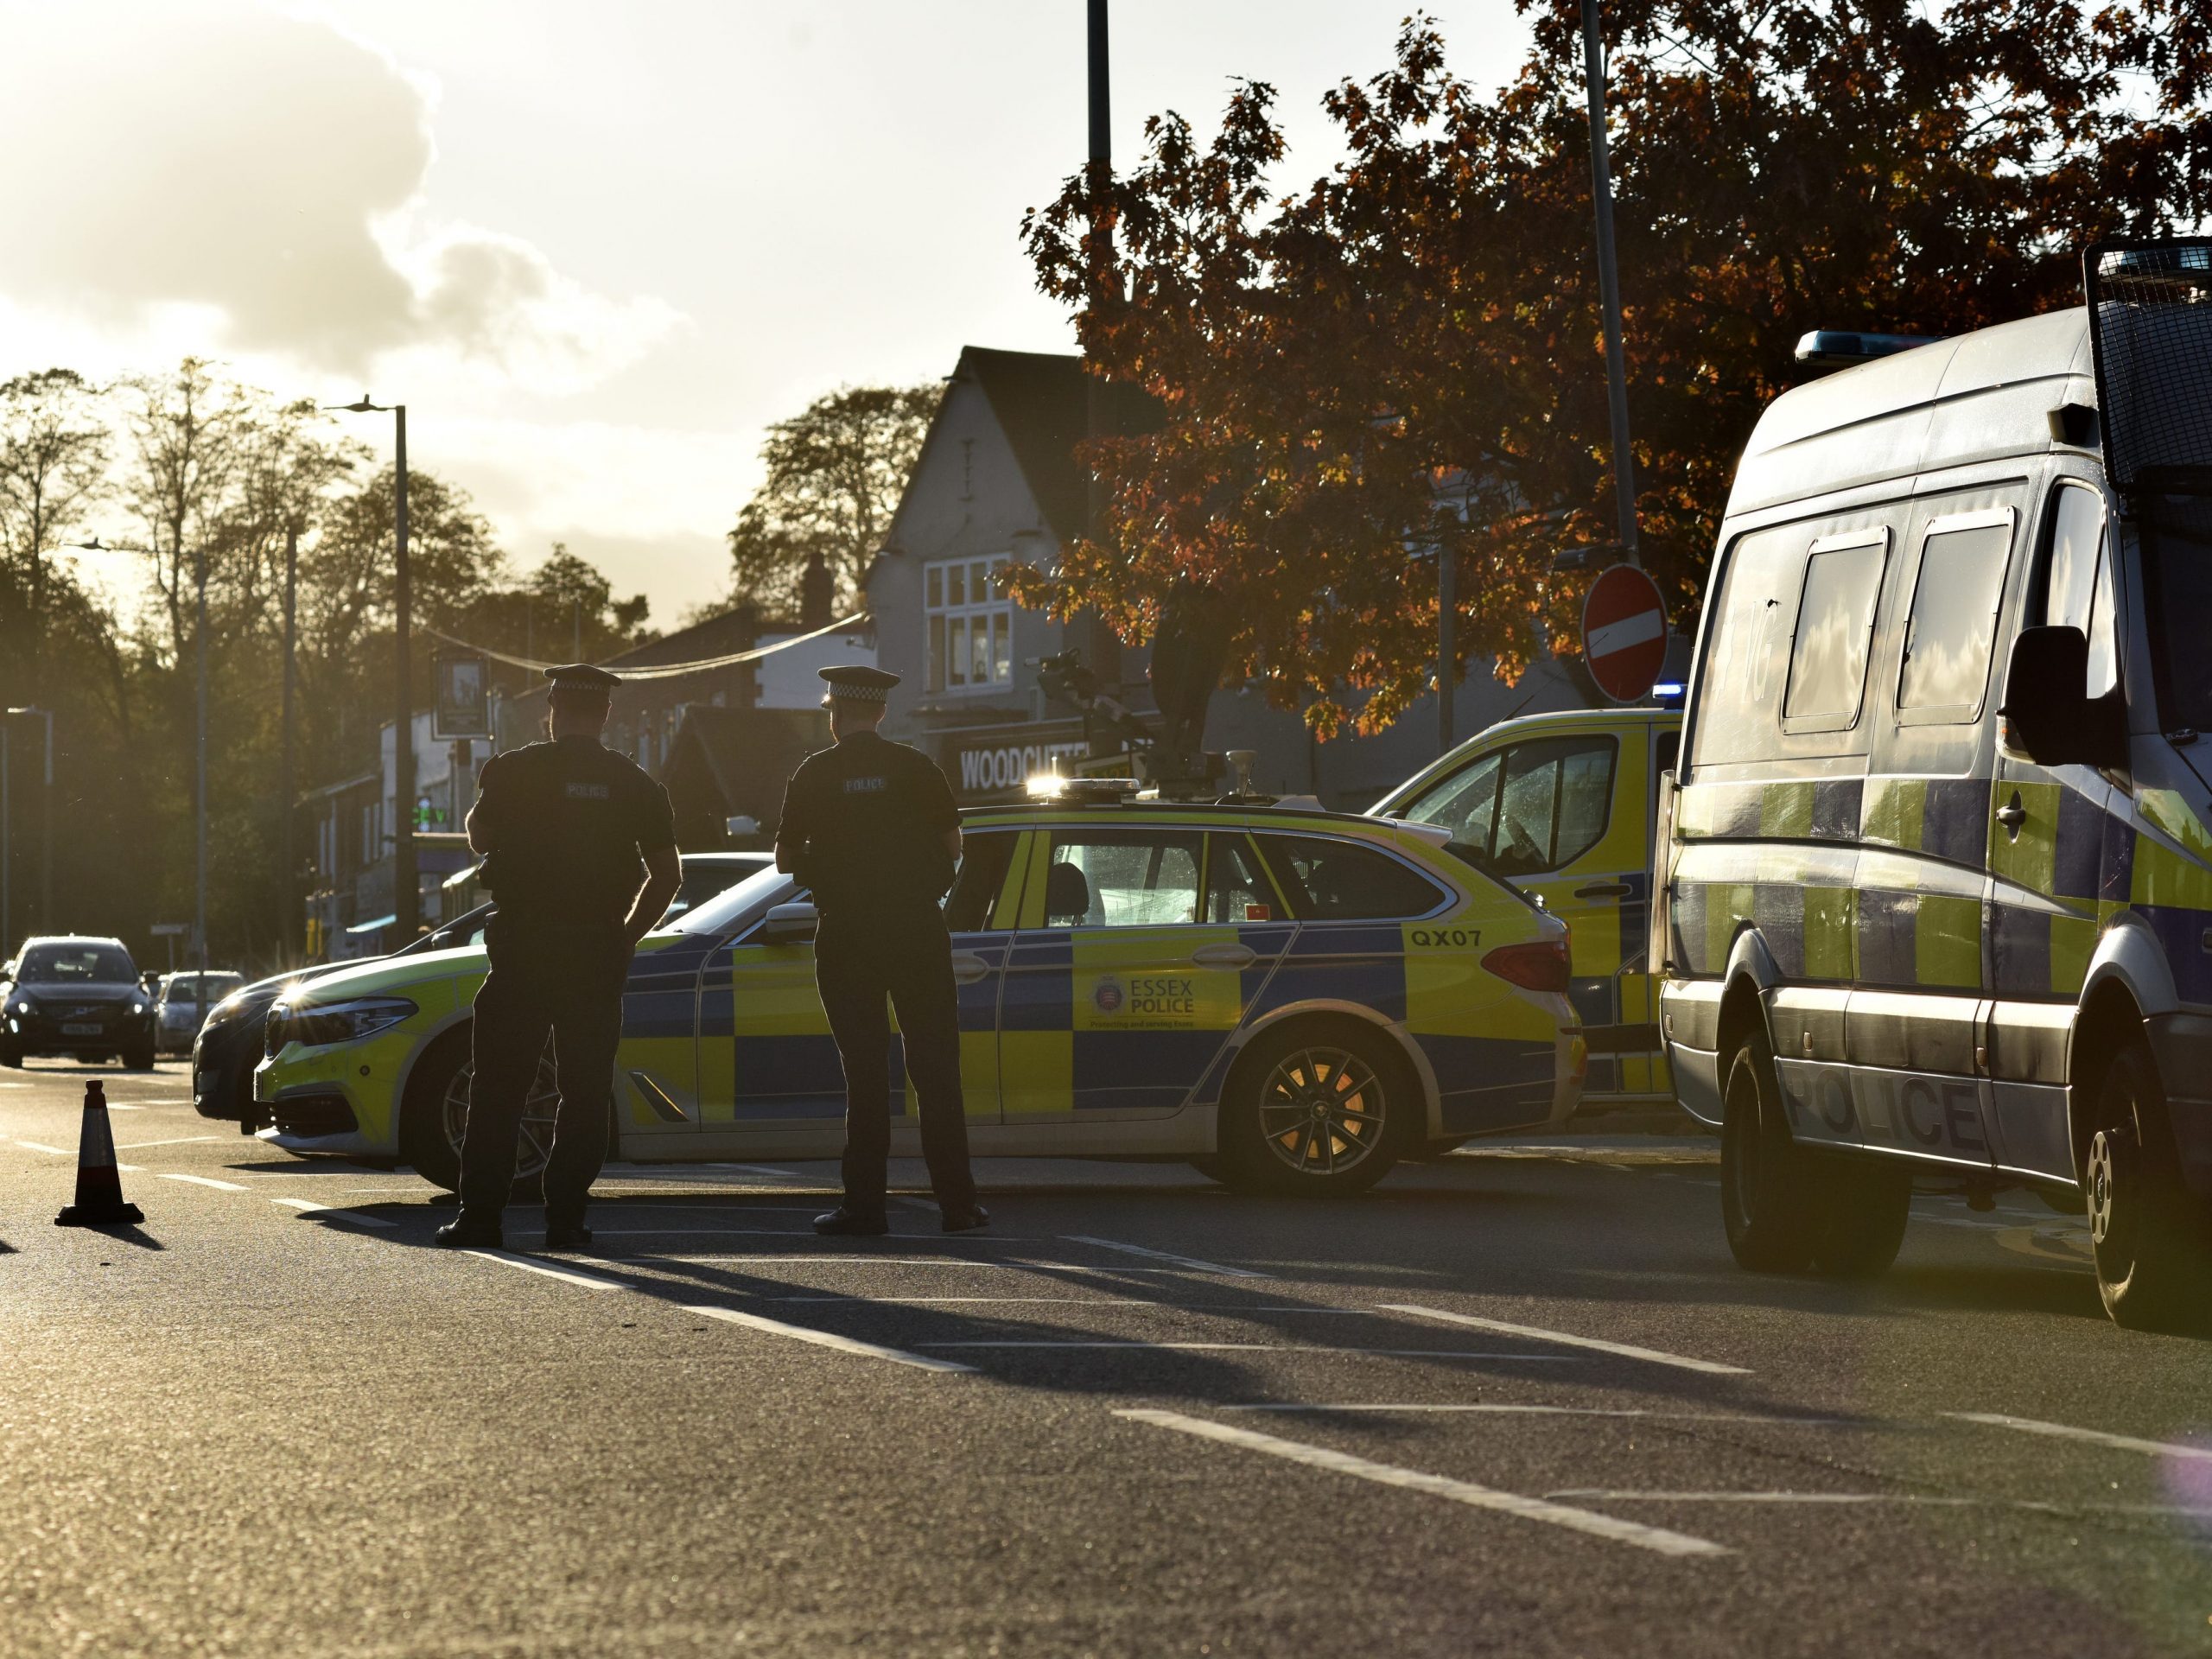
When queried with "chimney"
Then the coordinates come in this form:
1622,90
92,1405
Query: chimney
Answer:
817,589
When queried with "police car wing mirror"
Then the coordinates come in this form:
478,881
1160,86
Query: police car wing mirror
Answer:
2048,717
792,924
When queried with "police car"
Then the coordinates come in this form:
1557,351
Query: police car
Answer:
1290,1000
1562,805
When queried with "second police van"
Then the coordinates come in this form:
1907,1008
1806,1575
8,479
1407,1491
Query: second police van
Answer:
1938,882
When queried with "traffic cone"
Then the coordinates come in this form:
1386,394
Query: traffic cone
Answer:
99,1188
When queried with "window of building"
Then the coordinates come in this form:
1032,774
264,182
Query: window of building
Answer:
1835,626
1331,880
1122,878
970,622
1952,623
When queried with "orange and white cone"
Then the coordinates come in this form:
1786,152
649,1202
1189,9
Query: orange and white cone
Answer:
99,1188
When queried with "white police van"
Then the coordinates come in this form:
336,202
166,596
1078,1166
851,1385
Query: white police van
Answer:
1936,877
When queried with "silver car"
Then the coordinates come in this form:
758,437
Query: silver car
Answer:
185,1001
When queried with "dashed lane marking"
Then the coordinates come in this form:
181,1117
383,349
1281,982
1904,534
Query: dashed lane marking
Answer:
180,1141
1189,1262
1266,1347
830,1339
585,1280
309,1207
205,1180
1657,1539
40,1145
1559,1411
1626,1351
2090,1436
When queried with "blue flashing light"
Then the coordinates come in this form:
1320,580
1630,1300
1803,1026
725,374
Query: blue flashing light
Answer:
1668,694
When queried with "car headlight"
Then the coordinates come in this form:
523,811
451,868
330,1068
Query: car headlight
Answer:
318,1024
137,1007
23,1006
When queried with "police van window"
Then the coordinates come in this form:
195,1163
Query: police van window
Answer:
1465,803
983,861
1122,878
1553,809
1835,624
2076,591
1741,666
1235,891
1330,881
1952,623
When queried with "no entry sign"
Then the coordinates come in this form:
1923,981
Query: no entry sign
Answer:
1625,632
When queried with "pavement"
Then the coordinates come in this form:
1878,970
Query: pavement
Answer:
1516,1400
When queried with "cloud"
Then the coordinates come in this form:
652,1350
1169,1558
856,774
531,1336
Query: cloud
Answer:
269,169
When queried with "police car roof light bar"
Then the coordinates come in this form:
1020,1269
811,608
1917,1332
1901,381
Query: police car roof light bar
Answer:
1838,348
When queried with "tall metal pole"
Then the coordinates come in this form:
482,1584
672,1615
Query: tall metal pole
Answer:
405,910
290,886
1609,282
199,852
1102,652
46,832
7,850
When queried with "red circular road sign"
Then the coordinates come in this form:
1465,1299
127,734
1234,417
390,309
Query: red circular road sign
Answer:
1625,632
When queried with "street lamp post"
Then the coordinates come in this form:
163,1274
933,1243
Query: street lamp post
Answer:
406,908
1609,282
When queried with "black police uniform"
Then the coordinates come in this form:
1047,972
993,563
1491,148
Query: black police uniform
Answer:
863,825
566,823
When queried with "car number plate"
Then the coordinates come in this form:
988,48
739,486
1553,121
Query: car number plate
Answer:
82,1030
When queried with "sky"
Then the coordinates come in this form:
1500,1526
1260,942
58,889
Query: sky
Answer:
597,249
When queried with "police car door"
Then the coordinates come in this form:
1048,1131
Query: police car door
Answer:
2057,853
1118,997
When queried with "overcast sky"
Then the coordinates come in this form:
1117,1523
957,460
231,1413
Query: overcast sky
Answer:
596,248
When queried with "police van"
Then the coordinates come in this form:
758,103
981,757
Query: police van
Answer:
1290,1000
1937,895
1562,805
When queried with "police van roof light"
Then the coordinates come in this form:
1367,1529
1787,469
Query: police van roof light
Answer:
1837,348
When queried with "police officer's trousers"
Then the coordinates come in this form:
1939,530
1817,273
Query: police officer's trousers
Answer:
859,965
571,990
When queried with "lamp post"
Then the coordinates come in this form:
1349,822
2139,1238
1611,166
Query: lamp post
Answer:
406,909
1609,282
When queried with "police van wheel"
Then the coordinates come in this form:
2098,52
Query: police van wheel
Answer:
2148,1234
1860,1209
435,1114
1315,1110
1763,1181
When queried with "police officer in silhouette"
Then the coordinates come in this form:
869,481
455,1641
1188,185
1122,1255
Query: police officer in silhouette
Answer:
870,826
564,827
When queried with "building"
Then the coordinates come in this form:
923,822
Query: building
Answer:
997,483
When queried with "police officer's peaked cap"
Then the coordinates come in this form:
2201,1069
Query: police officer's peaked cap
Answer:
576,676
853,683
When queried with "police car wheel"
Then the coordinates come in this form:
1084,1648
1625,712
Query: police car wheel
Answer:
139,1059
11,1056
1860,1209
436,1117
1313,1109
1762,1170
2148,1234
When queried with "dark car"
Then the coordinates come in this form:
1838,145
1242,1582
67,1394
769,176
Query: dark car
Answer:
76,996
229,1044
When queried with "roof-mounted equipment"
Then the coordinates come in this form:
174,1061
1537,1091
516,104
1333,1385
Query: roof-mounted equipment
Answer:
1838,348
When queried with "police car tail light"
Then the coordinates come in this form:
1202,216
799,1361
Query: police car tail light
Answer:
1539,965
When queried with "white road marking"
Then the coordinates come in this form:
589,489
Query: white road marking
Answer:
587,1280
1922,1500
1460,1491
2092,1436
40,1145
205,1180
1627,1350
1559,1411
830,1339
309,1207
852,1299
1268,1347
1189,1262
826,1259
181,1139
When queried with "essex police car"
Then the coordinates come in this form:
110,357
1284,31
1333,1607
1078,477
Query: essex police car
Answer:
1290,1000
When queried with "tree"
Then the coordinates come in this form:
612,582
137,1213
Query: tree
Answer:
835,472
1341,365
54,455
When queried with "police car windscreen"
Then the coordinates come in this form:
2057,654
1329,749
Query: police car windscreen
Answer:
727,907
2151,328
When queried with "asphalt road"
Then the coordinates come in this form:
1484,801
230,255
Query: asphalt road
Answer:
1515,1402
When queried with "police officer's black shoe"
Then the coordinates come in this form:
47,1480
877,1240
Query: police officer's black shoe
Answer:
570,1235
965,1218
844,1221
467,1235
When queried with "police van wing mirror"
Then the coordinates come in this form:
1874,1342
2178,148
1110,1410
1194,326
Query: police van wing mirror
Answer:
790,924
2048,716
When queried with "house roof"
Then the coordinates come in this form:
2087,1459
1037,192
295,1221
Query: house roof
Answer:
1040,401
